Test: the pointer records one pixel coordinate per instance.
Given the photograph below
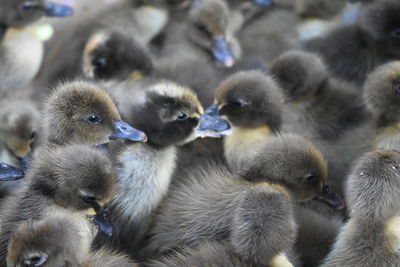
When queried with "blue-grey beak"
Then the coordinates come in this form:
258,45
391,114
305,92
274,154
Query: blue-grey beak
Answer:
102,222
57,10
123,131
211,125
222,52
263,2
10,173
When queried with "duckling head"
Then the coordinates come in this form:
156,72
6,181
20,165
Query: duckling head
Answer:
81,113
382,93
294,163
168,113
112,55
77,177
250,99
19,123
208,21
19,13
47,242
373,184
299,74
381,23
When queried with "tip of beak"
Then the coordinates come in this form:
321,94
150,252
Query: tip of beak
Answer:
229,62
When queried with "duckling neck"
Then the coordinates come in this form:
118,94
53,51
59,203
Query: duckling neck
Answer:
243,144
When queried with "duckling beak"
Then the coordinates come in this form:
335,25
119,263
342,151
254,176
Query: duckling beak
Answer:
56,10
330,197
222,52
263,2
10,173
212,125
102,222
26,161
123,131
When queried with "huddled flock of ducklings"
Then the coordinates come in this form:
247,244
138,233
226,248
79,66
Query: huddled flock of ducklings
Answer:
200,133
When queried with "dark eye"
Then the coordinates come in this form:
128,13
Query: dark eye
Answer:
36,260
94,119
181,116
33,135
27,5
99,62
395,33
202,28
310,178
396,88
239,103
90,199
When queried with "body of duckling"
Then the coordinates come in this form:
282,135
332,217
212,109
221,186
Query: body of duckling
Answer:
58,241
372,197
358,49
73,180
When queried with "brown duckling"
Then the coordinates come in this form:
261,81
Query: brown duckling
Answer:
81,113
58,242
204,205
372,195
74,180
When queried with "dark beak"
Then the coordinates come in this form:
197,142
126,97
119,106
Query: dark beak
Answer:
222,52
10,173
102,222
56,10
329,197
26,161
211,125
263,2
123,131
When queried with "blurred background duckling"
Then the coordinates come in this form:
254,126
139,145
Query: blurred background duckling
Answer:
201,205
371,193
21,46
319,105
58,241
81,113
75,180
352,51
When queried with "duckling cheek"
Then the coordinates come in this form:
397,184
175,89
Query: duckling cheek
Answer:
20,148
90,212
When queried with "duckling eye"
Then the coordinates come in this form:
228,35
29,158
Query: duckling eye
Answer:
94,119
202,28
239,103
181,116
36,260
395,33
99,62
90,199
27,5
33,135
310,178
396,88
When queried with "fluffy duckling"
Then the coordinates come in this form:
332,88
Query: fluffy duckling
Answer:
74,180
252,103
319,105
81,113
360,48
57,241
21,50
170,116
112,55
373,199
204,206
19,120
212,254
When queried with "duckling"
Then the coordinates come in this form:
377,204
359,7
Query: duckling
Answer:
360,48
19,126
74,180
170,116
112,55
81,113
204,205
323,9
252,103
318,104
371,192
21,50
57,241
